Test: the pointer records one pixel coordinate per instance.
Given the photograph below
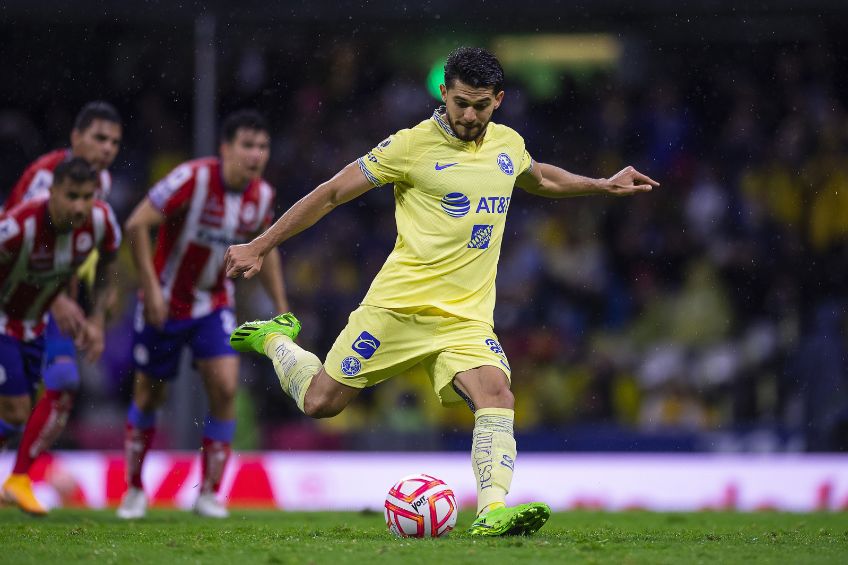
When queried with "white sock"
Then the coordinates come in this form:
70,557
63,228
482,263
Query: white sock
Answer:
294,366
493,456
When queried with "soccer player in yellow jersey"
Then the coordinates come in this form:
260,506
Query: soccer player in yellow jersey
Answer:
432,302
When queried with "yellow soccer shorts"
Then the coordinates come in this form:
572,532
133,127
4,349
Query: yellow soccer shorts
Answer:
378,344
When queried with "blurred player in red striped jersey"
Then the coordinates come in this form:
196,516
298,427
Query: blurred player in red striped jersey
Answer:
43,241
200,208
96,138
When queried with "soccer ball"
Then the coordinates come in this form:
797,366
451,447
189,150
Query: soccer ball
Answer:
420,506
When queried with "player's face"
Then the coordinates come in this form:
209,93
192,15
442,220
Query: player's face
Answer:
244,158
469,109
70,204
98,143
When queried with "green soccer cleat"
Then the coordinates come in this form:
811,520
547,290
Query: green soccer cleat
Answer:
521,520
250,336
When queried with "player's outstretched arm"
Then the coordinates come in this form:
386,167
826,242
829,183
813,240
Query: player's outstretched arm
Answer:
550,181
349,183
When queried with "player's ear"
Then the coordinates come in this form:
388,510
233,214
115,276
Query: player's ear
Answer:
499,99
443,89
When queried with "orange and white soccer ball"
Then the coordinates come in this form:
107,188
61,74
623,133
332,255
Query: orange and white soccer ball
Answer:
420,506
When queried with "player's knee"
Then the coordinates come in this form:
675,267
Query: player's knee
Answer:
318,406
498,397
15,412
62,375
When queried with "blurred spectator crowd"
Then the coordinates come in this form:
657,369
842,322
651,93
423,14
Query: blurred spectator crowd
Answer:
709,313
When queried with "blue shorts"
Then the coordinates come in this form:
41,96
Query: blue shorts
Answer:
57,344
157,353
20,365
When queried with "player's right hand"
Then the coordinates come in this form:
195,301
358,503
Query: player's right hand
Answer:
242,260
155,309
68,314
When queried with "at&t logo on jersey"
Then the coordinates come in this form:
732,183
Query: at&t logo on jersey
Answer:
480,236
456,204
505,163
366,344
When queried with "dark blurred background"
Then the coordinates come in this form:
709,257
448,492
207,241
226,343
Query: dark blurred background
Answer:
709,315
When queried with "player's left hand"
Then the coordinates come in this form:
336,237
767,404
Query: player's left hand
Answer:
629,181
89,340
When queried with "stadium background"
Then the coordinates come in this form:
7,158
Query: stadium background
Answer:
708,316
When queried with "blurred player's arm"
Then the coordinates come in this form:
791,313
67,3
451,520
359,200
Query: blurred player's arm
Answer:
89,338
143,219
347,184
67,313
551,181
273,281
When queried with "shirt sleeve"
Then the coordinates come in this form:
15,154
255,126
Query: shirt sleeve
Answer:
526,163
389,161
112,234
10,239
173,192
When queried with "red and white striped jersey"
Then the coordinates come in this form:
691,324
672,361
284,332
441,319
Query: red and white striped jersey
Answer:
202,219
37,178
36,261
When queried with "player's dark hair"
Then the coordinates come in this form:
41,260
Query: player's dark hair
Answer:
475,67
76,169
97,110
242,119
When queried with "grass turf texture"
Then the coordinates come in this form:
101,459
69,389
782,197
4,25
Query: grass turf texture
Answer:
165,536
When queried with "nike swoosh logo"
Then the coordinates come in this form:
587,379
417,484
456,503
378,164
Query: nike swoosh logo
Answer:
445,166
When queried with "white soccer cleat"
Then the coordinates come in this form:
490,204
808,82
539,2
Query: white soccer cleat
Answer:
208,506
133,505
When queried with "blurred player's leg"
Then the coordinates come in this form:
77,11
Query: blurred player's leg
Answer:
20,364
220,377
50,415
148,395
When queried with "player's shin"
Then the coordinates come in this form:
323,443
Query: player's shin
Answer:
141,428
294,366
46,422
217,437
493,456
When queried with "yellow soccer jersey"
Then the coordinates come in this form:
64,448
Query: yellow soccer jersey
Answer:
451,201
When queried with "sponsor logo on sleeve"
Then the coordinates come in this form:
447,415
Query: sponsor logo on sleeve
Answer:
365,345
351,366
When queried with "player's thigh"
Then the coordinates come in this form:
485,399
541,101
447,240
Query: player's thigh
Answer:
376,345
20,372
156,352
470,350
328,395
216,361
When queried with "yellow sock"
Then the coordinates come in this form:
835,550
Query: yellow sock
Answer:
493,456
294,366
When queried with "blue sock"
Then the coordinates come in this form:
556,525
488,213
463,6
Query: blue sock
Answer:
61,376
140,420
219,430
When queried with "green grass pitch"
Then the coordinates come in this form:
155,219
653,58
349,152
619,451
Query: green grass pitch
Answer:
170,536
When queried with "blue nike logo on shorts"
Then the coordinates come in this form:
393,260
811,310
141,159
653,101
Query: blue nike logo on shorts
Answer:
445,166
